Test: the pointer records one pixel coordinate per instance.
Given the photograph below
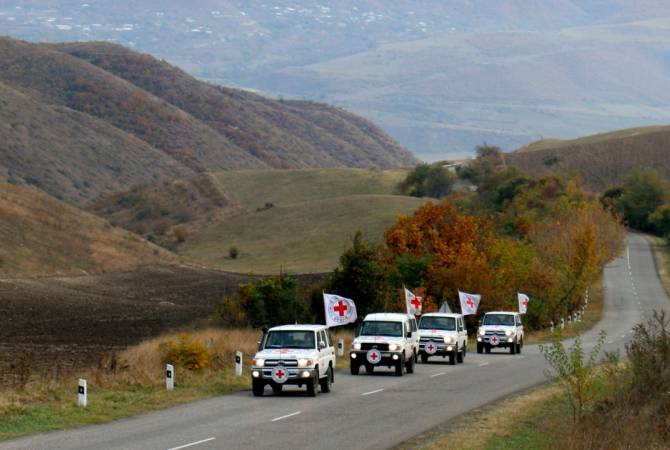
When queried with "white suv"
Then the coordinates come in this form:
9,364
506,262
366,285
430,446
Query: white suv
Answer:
296,355
442,334
500,329
385,339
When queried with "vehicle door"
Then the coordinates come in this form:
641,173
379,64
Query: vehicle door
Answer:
331,348
325,352
462,332
519,326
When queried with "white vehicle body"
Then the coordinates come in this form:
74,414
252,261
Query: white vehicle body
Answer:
385,339
294,355
443,334
500,329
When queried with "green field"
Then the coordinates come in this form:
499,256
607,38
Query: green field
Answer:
315,214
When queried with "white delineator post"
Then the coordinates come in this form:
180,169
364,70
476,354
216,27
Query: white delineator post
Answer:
562,323
551,326
82,392
238,363
169,377
340,347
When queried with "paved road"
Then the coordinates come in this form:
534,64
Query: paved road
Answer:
368,411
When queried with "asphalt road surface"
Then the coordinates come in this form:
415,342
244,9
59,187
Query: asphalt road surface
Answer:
368,411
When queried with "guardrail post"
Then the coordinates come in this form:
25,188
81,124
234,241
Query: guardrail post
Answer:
82,393
169,377
238,363
340,347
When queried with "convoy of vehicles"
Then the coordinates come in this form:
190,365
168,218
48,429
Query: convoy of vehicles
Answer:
385,339
443,334
304,355
499,329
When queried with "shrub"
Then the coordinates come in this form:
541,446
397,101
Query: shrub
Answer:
232,252
649,355
186,352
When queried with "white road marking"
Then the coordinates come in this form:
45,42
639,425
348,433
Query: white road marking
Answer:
438,374
484,364
286,416
193,443
371,392
628,256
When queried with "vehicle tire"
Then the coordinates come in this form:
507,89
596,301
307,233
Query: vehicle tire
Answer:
410,364
512,348
277,388
399,367
465,350
257,388
424,358
487,349
369,368
459,356
312,386
518,346
354,368
480,348
326,382
452,358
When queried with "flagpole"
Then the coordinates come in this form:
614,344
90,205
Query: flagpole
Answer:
325,309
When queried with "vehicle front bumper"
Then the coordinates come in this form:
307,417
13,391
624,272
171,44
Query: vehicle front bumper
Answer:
295,375
442,349
502,341
388,358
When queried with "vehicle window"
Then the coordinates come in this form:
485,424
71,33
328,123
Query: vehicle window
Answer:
379,328
460,324
437,323
413,326
499,319
329,339
322,337
290,339
518,321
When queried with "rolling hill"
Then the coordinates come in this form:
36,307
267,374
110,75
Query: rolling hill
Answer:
143,121
601,160
299,220
43,236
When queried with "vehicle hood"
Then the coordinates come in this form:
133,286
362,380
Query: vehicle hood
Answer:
379,340
437,333
286,353
497,327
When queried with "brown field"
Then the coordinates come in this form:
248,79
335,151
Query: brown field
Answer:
56,325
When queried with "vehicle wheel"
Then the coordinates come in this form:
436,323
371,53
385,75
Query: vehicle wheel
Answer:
312,384
276,388
465,350
512,348
480,348
424,358
398,367
353,367
257,388
452,358
459,356
326,382
369,368
487,349
410,364
518,346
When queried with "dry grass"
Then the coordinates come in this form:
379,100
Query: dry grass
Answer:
661,250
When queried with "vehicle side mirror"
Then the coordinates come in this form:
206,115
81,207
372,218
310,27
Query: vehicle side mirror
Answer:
322,345
409,334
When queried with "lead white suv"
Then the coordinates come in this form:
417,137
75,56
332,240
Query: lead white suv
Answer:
294,355
500,329
443,334
385,339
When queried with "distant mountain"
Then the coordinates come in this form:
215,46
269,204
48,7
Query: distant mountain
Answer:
441,76
601,161
83,121
43,236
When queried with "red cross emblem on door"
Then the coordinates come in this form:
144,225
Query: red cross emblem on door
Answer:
341,308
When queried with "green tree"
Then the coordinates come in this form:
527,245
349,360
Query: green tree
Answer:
428,180
660,220
643,192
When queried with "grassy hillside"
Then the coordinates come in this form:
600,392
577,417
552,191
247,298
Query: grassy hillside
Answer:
97,118
42,236
601,160
304,237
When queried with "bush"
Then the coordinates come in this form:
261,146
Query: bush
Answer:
186,353
649,355
232,252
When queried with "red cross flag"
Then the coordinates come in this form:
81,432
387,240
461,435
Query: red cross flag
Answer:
469,303
523,302
339,310
413,303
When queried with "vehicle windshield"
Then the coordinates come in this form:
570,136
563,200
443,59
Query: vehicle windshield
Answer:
378,328
499,319
437,323
290,339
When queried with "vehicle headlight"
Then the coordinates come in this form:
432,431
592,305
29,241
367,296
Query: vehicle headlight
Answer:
260,362
305,362
393,347
482,332
357,345
447,340
509,333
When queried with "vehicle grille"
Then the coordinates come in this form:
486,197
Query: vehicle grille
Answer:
496,333
371,345
285,362
438,339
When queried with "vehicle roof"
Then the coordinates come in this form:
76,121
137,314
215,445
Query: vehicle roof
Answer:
296,327
391,317
501,312
456,315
